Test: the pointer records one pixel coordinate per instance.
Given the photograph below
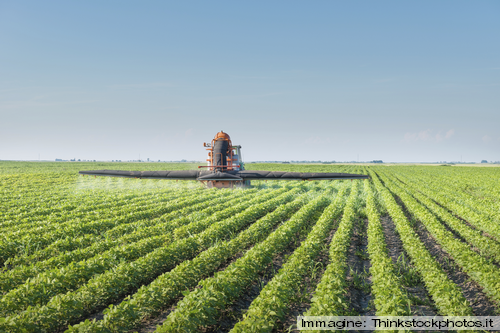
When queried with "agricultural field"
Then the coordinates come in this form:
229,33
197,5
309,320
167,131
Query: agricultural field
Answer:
85,254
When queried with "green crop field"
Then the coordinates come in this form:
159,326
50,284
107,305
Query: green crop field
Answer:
86,254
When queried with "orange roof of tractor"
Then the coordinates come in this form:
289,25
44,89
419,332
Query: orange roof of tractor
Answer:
222,135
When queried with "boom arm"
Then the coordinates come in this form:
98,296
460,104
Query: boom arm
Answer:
206,175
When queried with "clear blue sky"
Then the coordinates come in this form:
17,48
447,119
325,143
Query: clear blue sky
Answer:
288,80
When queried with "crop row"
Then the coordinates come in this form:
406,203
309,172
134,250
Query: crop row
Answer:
89,210
22,186
77,207
45,196
164,225
447,296
484,244
390,298
42,223
202,306
10,247
276,297
39,290
330,295
100,291
124,233
480,192
49,223
486,274
152,298
475,218
458,190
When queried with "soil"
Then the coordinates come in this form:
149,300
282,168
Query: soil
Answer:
150,324
417,292
359,267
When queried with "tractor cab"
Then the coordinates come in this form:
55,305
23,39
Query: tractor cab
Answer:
224,157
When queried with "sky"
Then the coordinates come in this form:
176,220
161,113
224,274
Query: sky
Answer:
395,81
